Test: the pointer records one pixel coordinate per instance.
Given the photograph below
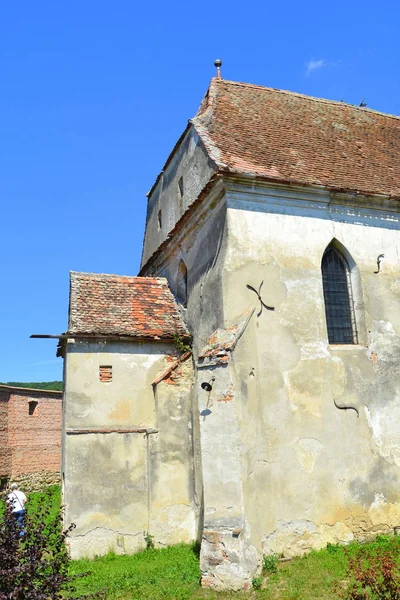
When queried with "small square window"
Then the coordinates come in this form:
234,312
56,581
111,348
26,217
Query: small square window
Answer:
105,373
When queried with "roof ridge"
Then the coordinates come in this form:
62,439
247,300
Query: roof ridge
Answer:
92,274
305,96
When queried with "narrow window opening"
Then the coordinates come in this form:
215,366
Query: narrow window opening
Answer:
105,373
159,220
182,284
32,404
338,297
180,191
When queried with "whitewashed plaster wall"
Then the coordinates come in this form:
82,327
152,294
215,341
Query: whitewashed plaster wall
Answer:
311,473
128,448
308,472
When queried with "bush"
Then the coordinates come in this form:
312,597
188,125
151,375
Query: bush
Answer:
34,561
271,562
373,571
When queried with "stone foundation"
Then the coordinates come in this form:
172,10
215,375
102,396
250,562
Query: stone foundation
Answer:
32,482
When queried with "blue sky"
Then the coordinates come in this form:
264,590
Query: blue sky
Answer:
94,96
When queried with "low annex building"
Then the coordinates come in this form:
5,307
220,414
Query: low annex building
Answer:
128,436
30,436
272,240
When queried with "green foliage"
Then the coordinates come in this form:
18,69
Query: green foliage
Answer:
373,571
180,344
34,562
271,563
37,385
334,548
149,539
257,583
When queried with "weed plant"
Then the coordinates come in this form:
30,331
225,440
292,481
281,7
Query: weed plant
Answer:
34,563
373,571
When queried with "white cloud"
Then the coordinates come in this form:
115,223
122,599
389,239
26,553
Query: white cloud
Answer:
313,65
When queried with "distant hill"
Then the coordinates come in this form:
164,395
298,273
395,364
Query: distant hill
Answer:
36,385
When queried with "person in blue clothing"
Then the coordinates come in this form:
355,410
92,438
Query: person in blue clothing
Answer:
16,500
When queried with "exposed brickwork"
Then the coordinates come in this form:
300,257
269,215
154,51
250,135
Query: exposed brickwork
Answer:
289,137
170,375
138,307
222,342
30,443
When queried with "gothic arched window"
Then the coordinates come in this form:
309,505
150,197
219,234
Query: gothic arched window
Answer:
339,308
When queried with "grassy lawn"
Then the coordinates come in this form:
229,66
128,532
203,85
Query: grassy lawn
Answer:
174,574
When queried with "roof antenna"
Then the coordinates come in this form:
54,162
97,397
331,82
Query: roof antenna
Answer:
218,64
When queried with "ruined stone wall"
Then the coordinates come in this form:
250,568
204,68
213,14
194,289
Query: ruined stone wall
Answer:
312,473
128,466
30,430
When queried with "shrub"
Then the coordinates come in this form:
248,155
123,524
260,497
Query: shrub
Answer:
34,561
271,563
373,571
149,539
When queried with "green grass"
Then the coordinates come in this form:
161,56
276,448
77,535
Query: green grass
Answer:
50,495
173,573
157,574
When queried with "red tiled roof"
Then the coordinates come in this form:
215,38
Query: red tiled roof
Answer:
138,307
290,137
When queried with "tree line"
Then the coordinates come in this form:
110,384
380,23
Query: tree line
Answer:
36,385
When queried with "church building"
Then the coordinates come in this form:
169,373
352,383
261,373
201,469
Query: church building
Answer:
243,390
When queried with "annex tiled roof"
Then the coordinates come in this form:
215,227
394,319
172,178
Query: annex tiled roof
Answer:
290,137
137,307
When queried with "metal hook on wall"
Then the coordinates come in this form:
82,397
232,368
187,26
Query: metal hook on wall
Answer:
378,263
258,293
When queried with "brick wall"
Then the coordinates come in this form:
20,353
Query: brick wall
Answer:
5,450
30,432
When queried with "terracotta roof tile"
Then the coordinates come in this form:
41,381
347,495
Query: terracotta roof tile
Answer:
138,307
290,137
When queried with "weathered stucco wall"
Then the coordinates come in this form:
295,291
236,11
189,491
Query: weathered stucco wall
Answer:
124,472
311,473
201,245
283,469
188,163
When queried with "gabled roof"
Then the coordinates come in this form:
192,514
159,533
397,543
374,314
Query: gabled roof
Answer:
137,307
288,137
